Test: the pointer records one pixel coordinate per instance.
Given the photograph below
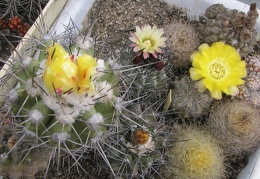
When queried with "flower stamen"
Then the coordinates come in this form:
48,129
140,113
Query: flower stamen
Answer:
217,71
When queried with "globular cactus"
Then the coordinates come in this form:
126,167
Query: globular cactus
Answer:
195,154
186,100
64,98
250,90
26,165
232,27
236,125
142,79
139,136
182,41
138,152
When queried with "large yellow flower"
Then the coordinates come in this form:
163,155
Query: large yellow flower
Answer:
218,68
62,74
148,40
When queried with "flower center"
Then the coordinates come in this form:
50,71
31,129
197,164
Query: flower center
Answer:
147,43
217,70
141,137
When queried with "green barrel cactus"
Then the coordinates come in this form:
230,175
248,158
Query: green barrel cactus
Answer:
64,98
138,152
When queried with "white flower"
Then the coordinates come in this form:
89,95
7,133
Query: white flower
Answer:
149,40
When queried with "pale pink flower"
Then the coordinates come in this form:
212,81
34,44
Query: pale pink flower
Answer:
148,39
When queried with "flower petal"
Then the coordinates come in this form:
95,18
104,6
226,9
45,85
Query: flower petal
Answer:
146,55
136,49
233,90
216,93
195,74
200,86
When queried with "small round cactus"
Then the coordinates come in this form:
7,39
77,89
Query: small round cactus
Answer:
144,81
195,155
236,125
250,90
187,101
182,41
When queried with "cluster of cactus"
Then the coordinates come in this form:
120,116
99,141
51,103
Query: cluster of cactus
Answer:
68,102
232,27
14,24
250,90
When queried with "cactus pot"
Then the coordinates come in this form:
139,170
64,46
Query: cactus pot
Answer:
58,12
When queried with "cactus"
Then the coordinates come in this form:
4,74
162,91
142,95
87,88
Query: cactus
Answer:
236,125
186,100
182,41
28,8
196,155
138,152
232,27
64,99
139,137
250,90
144,81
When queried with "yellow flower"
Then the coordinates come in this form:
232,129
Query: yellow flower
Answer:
87,68
56,51
63,75
218,68
60,75
148,40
